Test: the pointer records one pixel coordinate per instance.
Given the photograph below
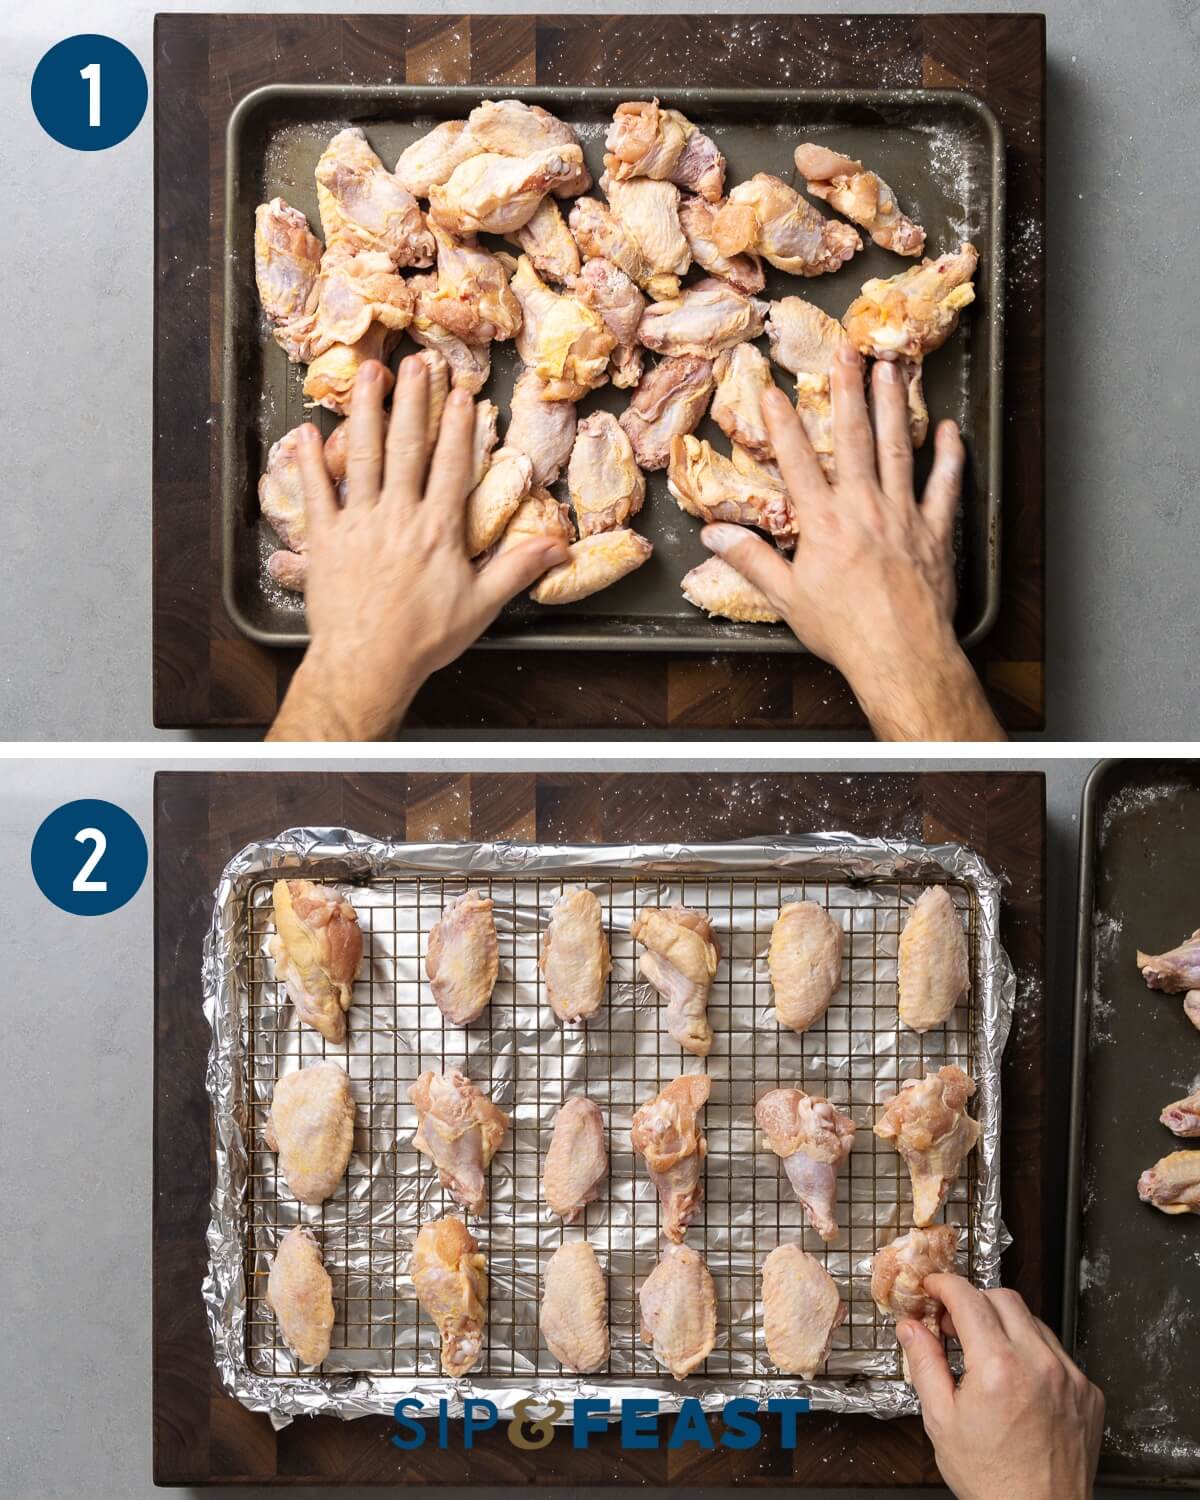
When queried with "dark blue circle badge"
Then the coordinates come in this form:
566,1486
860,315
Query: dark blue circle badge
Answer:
89,857
89,92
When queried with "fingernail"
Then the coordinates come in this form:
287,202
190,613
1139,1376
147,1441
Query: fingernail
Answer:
720,537
370,372
848,355
904,1333
774,394
309,435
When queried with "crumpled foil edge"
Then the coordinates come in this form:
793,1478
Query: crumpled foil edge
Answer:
348,855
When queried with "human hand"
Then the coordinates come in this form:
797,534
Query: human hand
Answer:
391,593
871,587
1023,1420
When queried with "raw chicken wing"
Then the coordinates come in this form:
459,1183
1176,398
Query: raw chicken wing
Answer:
933,973
364,207
1183,1117
512,128
697,218
311,1129
1174,971
429,162
601,236
1173,1184
646,141
494,500
910,315
577,1161
575,960
605,288
483,439
300,1294
281,500
469,364
805,962
711,487
538,515
806,341
669,401
317,950
594,563
721,590
564,342
666,1135
287,259
929,1123
352,292
899,1270
462,960
449,1276
575,1308
331,376
649,213
679,1310
679,958
862,196
813,1139
541,427
473,299
459,1130
604,481
742,375
801,1309
494,194
765,216
548,242
703,320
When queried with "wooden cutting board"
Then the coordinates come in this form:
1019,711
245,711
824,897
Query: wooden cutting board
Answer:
207,674
202,819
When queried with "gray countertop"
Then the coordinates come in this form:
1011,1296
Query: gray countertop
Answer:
1123,525
75,1235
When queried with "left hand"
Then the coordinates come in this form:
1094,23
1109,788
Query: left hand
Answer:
391,593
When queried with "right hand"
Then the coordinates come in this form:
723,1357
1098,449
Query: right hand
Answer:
1024,1422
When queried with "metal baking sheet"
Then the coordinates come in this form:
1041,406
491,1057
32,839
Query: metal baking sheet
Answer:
383,1346
943,152
1132,1277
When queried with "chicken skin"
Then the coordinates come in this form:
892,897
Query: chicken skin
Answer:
563,341
311,1129
646,141
1172,1185
933,971
606,289
600,235
743,376
300,1294
720,590
548,243
899,1270
929,1124
648,211
806,341
702,320
494,194
696,218
711,487
679,1310
1174,971
910,315
666,1135
287,260
805,963
575,960
364,207
538,515
352,292
862,196
429,162
494,500
462,960
449,1276
282,502
470,365
473,299
577,1161
813,1139
459,1129
331,376
511,128
595,562
679,957
668,403
801,1309
574,1317
605,484
317,950
1183,1117
765,216
541,428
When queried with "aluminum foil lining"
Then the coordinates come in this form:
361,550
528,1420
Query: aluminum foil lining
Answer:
384,1349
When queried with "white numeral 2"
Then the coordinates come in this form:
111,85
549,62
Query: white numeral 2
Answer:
92,74
93,836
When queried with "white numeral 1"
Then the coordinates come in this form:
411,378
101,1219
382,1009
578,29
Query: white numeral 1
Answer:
92,74
93,836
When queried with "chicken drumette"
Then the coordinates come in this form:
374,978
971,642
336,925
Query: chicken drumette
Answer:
666,1135
460,1130
862,196
1183,1117
449,1276
1172,1185
606,289
899,1270
679,957
696,218
742,375
1174,972
812,1138
929,1124
494,194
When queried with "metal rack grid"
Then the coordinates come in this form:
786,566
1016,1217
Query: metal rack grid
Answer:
857,1056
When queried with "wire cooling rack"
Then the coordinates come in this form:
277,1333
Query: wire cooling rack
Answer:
519,1054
